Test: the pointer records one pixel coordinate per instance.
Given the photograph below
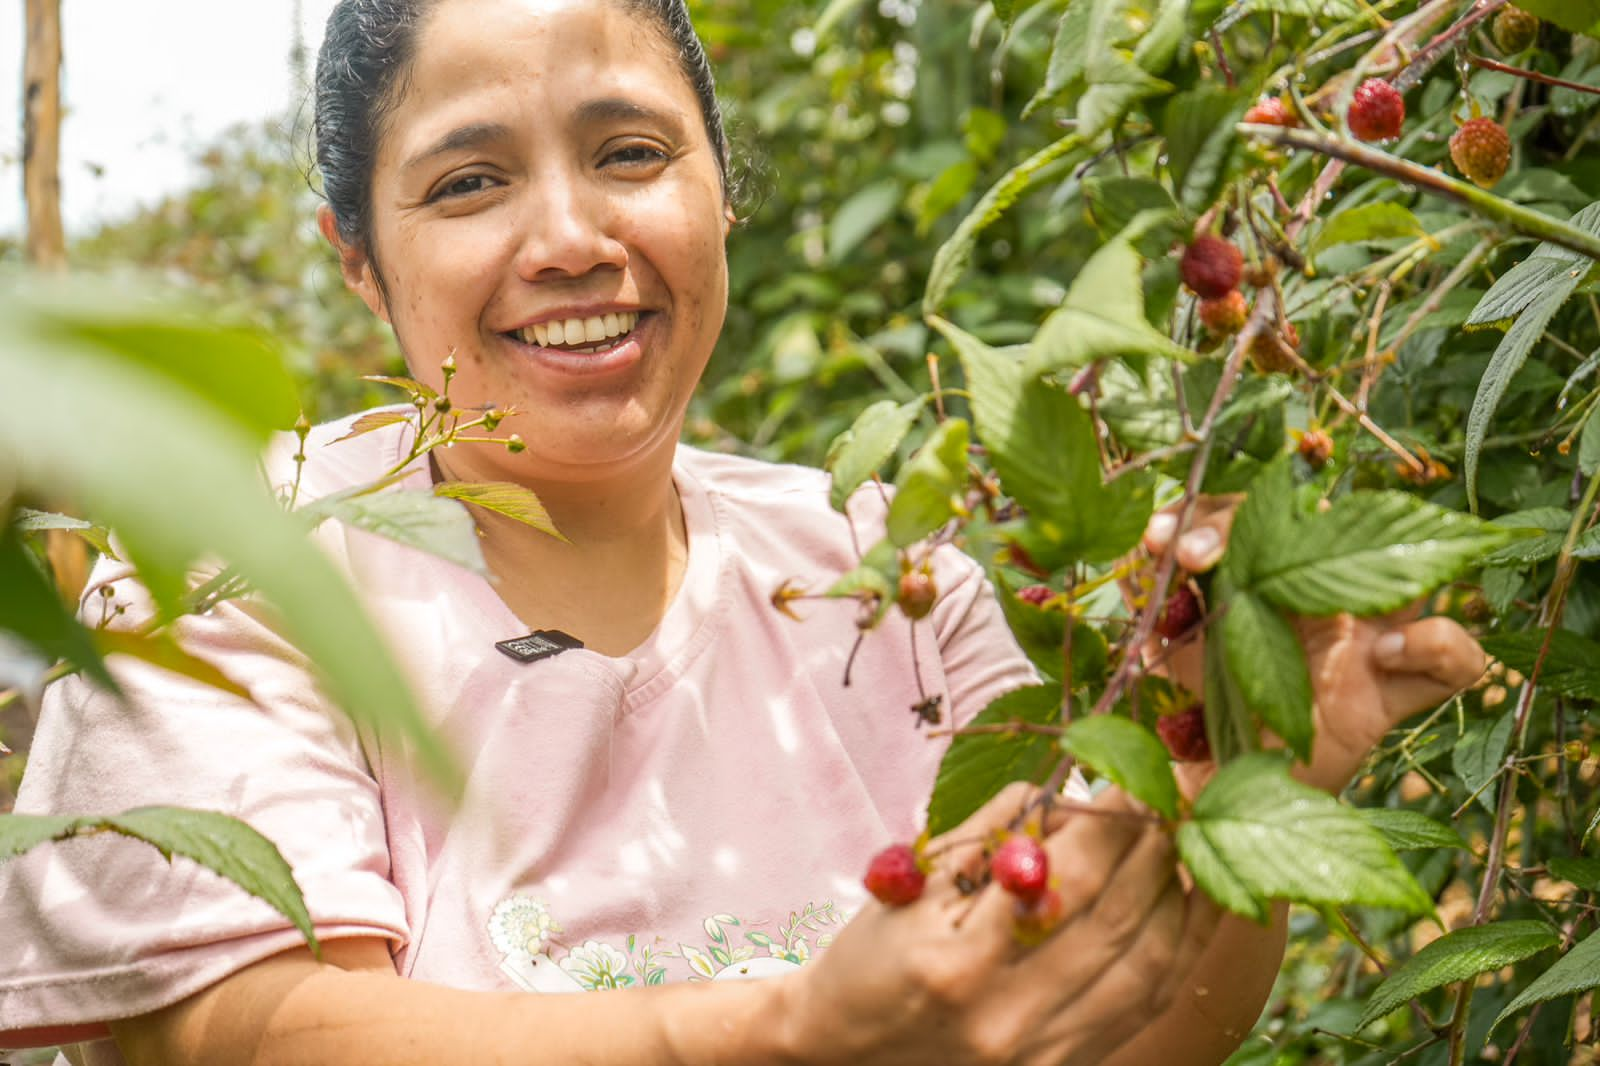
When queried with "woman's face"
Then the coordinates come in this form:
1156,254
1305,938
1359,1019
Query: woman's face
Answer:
547,206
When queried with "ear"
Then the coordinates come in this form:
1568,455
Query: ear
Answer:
729,220
354,264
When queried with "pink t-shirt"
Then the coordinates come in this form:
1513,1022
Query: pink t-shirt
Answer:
701,809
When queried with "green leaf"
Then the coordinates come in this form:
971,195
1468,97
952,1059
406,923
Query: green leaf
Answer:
1268,666
99,537
978,766
929,485
413,388
951,259
503,498
1311,9
870,442
1589,445
1526,282
1571,668
1576,971
1042,443
31,609
860,217
225,846
1042,632
1542,532
1508,358
1199,127
1369,553
1480,753
415,519
179,482
1405,830
1369,222
1230,728
1257,835
1069,56
1458,956
376,420
1585,873
833,14
1578,16
1102,316
1130,755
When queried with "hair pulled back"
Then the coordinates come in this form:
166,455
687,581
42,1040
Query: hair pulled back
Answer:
366,54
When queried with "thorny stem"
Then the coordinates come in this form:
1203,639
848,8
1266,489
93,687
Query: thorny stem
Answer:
1531,75
1435,49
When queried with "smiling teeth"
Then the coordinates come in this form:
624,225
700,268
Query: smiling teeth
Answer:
575,331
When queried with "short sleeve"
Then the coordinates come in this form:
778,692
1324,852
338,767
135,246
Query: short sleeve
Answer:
101,928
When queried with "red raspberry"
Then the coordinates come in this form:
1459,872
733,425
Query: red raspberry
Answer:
1316,448
1181,613
1514,30
894,876
1022,868
1481,150
1036,595
1377,111
1211,267
1184,734
1272,111
1037,920
918,593
1225,315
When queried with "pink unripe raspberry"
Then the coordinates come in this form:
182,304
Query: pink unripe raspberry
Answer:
894,877
1021,867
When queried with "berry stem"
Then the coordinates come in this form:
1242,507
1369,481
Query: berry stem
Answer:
1514,216
1530,75
1435,49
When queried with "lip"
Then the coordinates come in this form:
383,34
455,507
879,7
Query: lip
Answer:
624,356
561,314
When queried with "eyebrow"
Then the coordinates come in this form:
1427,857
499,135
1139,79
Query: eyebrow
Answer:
595,112
463,137
612,109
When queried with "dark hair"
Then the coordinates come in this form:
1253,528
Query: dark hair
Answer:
366,54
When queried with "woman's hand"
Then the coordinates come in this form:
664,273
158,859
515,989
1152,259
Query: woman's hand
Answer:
1367,674
946,979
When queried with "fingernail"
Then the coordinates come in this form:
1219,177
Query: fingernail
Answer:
1203,546
1390,649
1160,530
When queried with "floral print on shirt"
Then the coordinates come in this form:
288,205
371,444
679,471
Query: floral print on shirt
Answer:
524,931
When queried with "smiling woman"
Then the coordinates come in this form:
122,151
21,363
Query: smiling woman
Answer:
670,787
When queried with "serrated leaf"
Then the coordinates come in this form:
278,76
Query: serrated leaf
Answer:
1130,755
1102,316
415,519
1069,55
1368,554
870,442
1523,284
1479,754
226,846
1042,635
1268,666
1458,956
414,388
1571,668
99,537
1542,532
1405,830
1199,128
1369,222
860,217
1585,873
1042,443
1507,360
1589,444
503,498
375,420
1257,834
951,259
978,766
928,485
1576,971
1230,729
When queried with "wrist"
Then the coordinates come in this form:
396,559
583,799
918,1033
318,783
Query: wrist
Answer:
730,1023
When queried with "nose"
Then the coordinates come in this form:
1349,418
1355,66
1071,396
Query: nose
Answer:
567,228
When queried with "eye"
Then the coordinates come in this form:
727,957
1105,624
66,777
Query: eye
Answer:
637,155
465,185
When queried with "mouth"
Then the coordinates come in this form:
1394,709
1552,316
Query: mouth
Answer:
580,336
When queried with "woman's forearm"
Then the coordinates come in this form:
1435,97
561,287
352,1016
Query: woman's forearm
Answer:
293,1011
1212,1015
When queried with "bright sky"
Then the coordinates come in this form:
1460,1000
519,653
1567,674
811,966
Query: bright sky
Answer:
144,83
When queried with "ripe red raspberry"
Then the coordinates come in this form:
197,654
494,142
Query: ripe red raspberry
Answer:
1481,150
1211,267
918,593
1316,448
1181,613
1514,30
1184,734
1272,111
1377,111
1021,867
1267,354
1225,315
894,876
1036,595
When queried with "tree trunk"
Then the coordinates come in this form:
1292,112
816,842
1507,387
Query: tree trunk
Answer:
41,135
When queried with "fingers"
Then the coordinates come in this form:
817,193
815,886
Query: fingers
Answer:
1202,544
1143,882
1427,662
960,852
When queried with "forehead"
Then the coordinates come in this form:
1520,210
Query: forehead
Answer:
541,56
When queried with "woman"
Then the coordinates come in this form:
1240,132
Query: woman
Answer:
537,189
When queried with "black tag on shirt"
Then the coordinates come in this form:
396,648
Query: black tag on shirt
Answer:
540,645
